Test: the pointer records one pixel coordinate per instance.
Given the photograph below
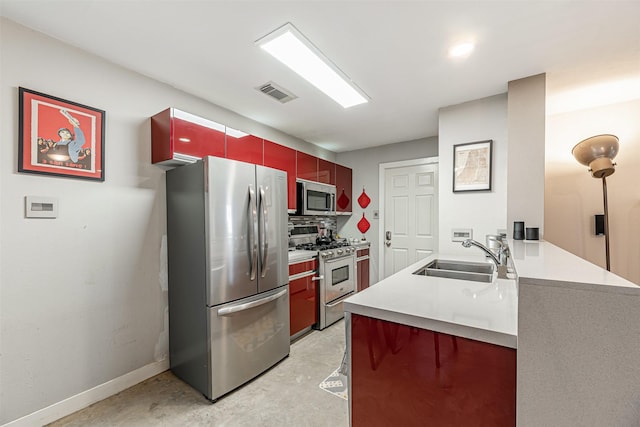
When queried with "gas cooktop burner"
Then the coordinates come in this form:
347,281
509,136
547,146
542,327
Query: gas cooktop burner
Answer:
321,247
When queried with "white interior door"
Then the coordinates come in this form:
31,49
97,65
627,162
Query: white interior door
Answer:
410,215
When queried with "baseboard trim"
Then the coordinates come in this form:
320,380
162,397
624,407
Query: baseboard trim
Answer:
82,400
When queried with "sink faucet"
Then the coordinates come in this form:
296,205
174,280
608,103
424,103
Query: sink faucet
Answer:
501,263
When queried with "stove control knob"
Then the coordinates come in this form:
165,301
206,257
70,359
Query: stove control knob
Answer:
330,254
339,251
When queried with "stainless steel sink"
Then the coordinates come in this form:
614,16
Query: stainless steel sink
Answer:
463,270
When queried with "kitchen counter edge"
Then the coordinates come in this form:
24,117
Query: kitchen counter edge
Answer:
391,300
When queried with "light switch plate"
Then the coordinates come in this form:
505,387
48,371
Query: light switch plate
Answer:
461,234
41,207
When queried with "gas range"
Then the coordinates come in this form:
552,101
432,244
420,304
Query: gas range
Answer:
306,238
336,268
328,250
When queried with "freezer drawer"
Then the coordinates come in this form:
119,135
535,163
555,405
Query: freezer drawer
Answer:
247,337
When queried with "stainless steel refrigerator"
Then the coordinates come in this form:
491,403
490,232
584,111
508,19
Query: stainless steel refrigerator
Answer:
228,272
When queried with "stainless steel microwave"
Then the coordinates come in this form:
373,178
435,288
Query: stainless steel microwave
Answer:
315,198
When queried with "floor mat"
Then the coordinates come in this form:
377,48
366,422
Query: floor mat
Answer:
336,384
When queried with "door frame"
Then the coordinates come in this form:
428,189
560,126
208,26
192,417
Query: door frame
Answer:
381,180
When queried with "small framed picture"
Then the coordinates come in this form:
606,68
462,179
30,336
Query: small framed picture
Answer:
59,137
472,166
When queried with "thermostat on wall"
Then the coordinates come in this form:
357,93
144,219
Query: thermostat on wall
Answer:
461,234
41,207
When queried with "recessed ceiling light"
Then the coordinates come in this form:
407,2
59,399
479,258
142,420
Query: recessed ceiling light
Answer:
461,49
293,49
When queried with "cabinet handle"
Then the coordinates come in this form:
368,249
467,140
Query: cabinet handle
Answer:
301,275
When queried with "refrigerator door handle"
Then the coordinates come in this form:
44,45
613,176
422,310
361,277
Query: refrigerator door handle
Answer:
263,234
246,306
253,233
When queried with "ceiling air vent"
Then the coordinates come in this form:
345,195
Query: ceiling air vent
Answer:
276,92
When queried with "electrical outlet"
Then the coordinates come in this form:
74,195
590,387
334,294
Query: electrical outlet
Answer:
461,234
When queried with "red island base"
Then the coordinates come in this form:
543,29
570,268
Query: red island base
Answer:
406,376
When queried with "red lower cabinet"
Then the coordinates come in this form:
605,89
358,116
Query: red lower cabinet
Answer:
303,299
406,376
362,264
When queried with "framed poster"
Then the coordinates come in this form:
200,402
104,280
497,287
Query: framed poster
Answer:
472,166
59,137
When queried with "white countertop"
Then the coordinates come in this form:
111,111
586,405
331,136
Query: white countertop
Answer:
480,311
301,255
361,243
485,312
542,263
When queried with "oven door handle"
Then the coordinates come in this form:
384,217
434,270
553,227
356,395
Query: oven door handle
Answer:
338,301
342,258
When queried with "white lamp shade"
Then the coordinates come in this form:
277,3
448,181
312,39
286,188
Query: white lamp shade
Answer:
598,153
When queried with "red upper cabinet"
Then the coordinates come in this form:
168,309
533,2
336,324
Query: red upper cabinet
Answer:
307,166
243,147
326,172
344,190
178,137
284,158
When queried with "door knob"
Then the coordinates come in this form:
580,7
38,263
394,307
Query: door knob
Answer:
388,238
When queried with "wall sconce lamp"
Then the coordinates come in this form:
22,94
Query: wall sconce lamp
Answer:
598,153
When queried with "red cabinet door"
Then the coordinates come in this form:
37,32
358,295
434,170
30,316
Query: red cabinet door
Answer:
307,166
430,378
284,158
363,269
246,148
303,301
326,172
178,137
344,191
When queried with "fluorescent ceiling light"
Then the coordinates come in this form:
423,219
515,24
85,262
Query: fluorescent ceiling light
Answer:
294,50
461,49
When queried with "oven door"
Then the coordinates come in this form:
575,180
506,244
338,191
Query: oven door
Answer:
338,283
339,278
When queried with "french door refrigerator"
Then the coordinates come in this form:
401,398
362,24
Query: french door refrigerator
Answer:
228,272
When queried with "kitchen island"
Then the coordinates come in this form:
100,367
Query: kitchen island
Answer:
576,328
433,350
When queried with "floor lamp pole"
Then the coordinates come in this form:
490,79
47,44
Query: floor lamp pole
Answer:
606,223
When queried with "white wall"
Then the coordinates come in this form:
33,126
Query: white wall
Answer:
573,197
526,154
485,212
83,297
365,165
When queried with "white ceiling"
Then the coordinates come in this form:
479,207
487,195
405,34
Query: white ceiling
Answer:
396,51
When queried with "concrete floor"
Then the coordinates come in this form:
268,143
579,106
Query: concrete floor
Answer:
286,395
